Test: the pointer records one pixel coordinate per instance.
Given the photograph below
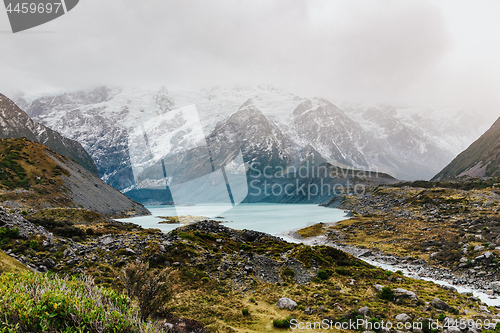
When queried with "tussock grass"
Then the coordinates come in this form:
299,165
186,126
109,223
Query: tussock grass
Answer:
31,302
8,264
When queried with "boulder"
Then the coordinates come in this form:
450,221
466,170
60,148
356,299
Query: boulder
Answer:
478,248
404,296
440,304
495,286
378,287
286,303
403,318
365,311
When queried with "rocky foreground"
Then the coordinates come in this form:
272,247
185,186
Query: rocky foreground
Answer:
443,233
228,280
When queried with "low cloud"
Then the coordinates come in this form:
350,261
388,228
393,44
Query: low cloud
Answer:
411,52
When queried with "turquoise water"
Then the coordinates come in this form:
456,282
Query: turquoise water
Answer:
270,218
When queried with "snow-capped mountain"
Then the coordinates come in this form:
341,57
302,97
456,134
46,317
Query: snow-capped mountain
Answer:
270,126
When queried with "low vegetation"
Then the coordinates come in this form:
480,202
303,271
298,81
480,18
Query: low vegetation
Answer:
32,302
441,225
201,275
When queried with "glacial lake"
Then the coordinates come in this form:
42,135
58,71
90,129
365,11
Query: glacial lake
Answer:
271,218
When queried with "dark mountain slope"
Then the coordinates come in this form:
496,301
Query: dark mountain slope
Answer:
15,123
481,159
33,176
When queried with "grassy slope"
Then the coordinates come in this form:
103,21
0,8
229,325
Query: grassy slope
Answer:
8,264
423,221
25,165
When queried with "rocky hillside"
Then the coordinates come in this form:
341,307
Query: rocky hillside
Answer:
15,123
447,231
230,280
33,176
481,159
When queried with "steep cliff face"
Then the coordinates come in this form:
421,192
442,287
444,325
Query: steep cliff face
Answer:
481,159
15,123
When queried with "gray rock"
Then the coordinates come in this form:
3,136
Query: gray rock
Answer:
286,303
452,329
495,286
309,311
378,287
440,304
404,296
49,262
365,311
403,318
365,254
129,251
107,241
478,248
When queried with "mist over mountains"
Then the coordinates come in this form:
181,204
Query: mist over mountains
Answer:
270,126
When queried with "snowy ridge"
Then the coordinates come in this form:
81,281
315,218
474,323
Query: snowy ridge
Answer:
274,127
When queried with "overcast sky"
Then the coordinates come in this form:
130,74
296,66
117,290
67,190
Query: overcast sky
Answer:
441,54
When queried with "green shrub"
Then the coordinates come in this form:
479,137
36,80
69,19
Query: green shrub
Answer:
343,271
33,244
59,228
9,233
441,317
186,236
386,294
205,279
322,274
244,247
245,312
426,326
373,321
287,273
45,303
285,323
